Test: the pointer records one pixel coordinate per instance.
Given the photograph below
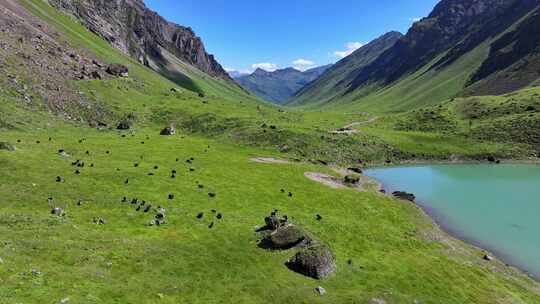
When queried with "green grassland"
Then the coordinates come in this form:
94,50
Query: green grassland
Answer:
385,248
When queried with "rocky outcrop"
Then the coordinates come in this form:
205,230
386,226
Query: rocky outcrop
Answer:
143,34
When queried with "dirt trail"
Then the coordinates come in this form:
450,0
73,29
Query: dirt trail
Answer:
349,129
331,181
269,160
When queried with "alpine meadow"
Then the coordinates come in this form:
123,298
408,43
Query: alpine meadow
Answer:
136,168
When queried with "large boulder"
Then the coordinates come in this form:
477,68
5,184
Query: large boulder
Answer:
118,70
285,237
7,146
316,261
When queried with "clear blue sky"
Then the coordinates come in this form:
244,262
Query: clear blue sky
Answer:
242,33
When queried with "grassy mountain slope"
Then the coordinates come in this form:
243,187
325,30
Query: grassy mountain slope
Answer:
336,80
462,48
384,248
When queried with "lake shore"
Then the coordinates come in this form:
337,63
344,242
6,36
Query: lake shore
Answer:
448,231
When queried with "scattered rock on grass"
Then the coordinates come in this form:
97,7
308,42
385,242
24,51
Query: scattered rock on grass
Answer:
118,70
316,261
404,196
170,130
285,237
7,146
320,291
351,179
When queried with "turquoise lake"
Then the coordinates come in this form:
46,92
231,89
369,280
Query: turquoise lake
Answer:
496,207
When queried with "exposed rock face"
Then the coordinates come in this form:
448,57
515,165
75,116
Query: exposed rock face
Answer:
450,22
134,29
39,66
316,261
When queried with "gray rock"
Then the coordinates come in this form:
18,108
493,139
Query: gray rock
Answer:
118,70
488,258
58,211
320,291
376,301
316,261
284,238
7,146
64,301
170,130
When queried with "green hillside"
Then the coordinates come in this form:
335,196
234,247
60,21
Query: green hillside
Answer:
439,58
216,196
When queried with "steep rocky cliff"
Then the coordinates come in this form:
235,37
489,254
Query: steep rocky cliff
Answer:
143,34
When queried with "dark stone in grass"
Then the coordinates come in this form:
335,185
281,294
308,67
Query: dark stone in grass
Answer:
59,179
273,222
319,217
491,159
200,215
191,170
404,196
316,261
58,211
124,125
351,179
171,196
118,70
99,221
211,194
7,146
290,194
284,238
168,131
211,225
147,209
219,216
355,170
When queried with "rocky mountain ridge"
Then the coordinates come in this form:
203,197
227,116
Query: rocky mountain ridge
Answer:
277,86
142,33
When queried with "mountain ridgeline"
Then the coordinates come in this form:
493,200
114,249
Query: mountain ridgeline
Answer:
464,47
146,36
280,85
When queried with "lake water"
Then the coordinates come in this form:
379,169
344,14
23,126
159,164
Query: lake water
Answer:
494,206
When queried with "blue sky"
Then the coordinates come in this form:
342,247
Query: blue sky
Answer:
245,34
